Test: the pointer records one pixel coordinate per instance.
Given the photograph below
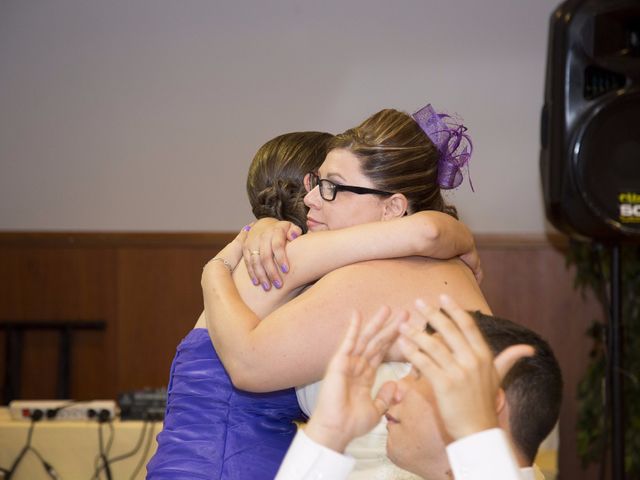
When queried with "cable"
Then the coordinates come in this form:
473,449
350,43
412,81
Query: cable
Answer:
36,416
111,435
144,453
103,417
96,461
96,468
124,456
47,466
137,446
105,458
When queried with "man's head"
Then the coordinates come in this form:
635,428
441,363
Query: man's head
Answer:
532,390
533,387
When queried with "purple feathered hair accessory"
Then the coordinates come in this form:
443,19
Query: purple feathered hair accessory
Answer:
451,140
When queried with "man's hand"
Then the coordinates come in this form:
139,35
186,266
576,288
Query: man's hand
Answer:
460,367
345,408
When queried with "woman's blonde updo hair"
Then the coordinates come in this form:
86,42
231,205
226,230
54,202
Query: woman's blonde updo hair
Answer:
398,157
275,182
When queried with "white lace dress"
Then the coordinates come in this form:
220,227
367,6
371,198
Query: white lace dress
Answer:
369,450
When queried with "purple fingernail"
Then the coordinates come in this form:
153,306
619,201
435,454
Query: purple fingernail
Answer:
266,286
284,268
255,281
294,235
246,228
277,284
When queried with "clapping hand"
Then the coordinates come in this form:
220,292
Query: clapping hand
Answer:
345,408
458,363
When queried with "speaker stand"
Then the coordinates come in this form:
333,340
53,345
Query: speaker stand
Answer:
615,379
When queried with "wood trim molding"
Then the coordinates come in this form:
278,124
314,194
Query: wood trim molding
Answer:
213,239
115,239
521,241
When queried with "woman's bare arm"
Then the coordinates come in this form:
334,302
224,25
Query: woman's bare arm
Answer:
289,347
233,310
428,233
313,255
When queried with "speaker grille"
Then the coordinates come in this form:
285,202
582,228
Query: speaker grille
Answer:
598,81
607,160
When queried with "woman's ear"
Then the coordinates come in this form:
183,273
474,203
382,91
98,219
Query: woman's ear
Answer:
395,206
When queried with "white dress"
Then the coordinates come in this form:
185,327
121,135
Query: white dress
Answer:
370,450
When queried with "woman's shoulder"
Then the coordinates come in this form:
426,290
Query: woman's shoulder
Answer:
410,276
400,265
369,276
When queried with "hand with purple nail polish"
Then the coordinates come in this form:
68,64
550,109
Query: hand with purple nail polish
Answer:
265,251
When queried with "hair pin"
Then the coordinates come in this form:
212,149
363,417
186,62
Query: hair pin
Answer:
451,140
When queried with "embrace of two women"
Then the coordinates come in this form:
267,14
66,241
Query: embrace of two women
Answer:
346,222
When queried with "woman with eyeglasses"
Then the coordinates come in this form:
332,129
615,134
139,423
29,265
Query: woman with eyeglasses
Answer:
391,165
214,430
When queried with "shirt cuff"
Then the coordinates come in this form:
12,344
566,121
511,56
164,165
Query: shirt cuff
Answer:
483,455
307,459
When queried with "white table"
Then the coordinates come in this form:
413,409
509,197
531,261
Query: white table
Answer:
71,447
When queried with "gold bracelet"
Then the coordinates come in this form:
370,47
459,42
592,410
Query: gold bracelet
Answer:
226,264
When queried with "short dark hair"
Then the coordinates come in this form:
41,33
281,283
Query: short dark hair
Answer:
533,386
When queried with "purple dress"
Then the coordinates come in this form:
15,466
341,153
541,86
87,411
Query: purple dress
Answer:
212,430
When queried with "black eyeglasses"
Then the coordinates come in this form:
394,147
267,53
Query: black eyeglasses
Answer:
328,189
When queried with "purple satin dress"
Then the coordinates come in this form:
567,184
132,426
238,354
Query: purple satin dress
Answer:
212,430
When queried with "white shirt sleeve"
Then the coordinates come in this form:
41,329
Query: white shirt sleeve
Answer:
484,455
308,460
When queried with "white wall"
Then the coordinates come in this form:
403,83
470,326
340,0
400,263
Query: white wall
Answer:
145,114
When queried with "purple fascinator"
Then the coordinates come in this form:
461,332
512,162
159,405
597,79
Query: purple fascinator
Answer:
451,140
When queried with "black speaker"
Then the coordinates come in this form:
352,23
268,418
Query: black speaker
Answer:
590,128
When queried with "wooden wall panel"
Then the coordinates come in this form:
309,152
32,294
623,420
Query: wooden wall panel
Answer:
53,282
147,288
159,302
39,364
529,283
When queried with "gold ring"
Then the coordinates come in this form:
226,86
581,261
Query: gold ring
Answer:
255,252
